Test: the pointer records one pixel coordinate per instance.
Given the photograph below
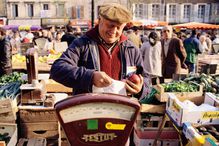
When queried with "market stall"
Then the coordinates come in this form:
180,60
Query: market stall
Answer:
22,27
145,23
196,25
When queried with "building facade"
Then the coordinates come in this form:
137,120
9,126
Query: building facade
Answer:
177,11
52,12
59,12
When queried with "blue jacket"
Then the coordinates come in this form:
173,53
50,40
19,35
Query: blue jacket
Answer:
76,65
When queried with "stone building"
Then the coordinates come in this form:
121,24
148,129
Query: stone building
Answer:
59,12
177,11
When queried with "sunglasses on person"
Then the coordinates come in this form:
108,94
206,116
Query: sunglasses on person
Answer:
166,31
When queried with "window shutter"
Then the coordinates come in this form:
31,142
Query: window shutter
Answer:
82,12
73,13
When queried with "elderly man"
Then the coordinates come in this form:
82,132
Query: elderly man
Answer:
101,55
174,53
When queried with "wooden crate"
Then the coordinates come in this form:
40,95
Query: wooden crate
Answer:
33,114
151,108
32,142
11,129
151,123
8,110
53,86
48,130
163,96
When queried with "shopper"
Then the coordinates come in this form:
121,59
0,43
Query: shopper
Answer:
5,54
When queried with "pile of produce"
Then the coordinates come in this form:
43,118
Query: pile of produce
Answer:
17,58
180,86
10,85
192,83
210,83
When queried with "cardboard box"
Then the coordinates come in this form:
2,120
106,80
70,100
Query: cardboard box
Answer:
211,99
11,129
8,110
162,96
179,112
194,137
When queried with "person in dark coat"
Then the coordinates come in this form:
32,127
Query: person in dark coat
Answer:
5,54
69,35
174,53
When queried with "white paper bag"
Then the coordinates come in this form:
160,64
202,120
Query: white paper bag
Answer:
117,87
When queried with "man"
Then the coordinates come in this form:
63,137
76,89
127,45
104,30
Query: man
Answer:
174,54
134,38
192,49
69,34
102,54
5,54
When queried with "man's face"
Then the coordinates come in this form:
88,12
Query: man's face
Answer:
110,31
167,34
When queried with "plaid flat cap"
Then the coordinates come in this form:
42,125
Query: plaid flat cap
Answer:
115,12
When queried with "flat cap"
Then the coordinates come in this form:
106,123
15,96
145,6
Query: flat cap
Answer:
115,12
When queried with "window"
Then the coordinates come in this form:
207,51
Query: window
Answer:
14,10
155,10
201,11
78,12
61,10
217,10
45,6
187,11
140,11
172,11
30,10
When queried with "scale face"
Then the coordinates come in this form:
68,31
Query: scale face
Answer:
97,110
97,119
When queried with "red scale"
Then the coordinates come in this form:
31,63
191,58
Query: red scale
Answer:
97,119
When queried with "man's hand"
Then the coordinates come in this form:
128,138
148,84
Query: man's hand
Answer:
101,79
133,88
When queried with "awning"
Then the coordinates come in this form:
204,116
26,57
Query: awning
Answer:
196,25
22,27
147,23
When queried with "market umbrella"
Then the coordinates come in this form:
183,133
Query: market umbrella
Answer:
196,25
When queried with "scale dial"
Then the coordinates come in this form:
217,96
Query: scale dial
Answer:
97,110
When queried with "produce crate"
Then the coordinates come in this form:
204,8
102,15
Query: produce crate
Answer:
53,86
33,114
11,130
212,99
208,66
48,130
162,96
32,142
181,112
201,134
8,110
146,138
152,108
144,123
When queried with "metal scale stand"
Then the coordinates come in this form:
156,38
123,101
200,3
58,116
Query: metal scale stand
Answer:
97,119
